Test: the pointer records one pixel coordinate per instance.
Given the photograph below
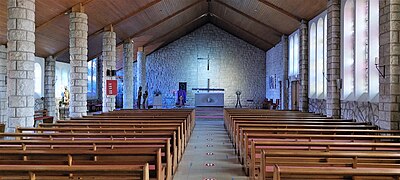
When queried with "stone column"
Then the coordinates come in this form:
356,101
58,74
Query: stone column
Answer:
78,35
333,48
21,59
389,55
49,86
128,75
109,63
141,71
3,85
285,80
303,91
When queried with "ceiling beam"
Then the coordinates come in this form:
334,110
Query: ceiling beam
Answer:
250,17
174,30
244,30
273,6
134,13
40,26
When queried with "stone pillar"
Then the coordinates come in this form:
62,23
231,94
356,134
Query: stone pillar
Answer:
333,48
303,91
49,86
128,75
285,80
141,70
109,63
78,35
389,55
21,59
3,85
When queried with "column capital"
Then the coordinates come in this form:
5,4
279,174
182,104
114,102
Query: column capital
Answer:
78,8
141,49
109,28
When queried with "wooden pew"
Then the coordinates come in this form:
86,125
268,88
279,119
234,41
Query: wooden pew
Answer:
77,156
170,150
92,145
334,173
329,160
240,139
303,125
121,125
99,172
152,129
258,146
250,159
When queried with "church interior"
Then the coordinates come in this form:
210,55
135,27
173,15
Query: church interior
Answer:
200,89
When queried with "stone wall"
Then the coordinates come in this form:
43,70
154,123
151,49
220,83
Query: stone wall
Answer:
274,71
389,55
233,65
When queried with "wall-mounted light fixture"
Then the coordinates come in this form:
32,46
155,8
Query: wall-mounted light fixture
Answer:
378,67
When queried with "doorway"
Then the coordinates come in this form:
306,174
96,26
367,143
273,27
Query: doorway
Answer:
295,95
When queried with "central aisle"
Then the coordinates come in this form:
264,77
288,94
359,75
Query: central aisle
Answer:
209,136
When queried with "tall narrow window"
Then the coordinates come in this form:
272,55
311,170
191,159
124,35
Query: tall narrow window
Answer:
92,80
38,80
293,48
320,58
373,49
348,50
325,71
312,63
296,54
361,49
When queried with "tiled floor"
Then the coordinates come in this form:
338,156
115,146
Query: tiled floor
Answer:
209,145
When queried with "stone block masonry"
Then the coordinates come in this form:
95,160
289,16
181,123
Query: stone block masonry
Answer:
20,67
3,86
128,75
233,65
303,91
333,48
49,86
389,55
109,61
277,73
78,60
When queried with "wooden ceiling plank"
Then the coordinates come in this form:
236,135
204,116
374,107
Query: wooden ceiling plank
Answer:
134,13
175,29
157,23
114,23
244,30
250,17
38,27
273,6
165,19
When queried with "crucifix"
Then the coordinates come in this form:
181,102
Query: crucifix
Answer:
208,61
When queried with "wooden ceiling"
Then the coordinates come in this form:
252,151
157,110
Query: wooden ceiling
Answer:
155,23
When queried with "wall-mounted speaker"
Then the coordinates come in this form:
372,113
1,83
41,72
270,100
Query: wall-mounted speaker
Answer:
110,72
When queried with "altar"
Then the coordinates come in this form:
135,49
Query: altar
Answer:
207,98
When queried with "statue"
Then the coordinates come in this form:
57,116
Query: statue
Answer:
139,97
238,104
181,97
145,95
66,96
